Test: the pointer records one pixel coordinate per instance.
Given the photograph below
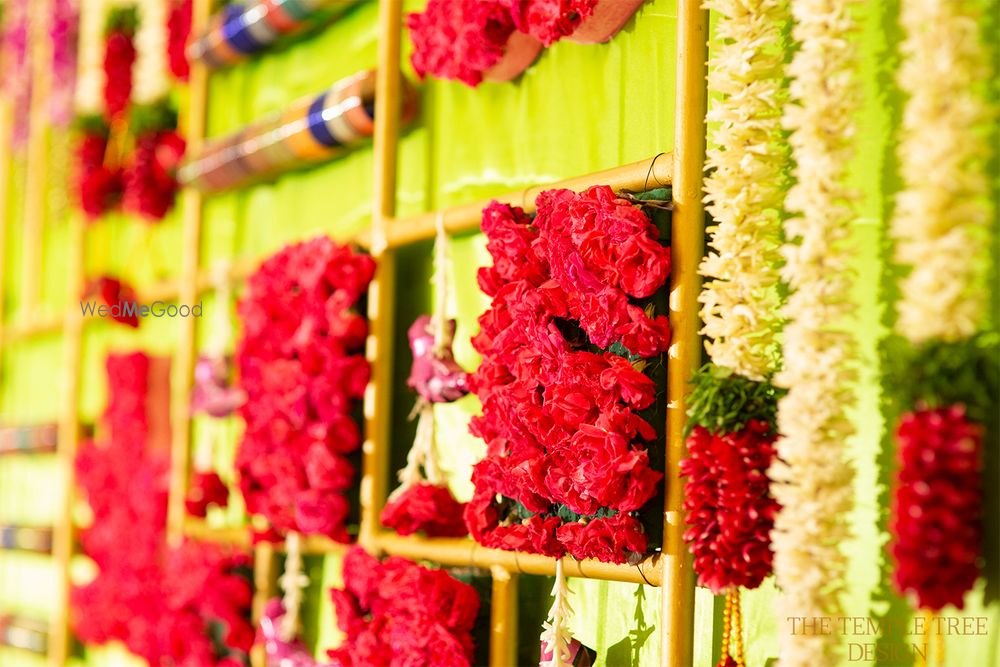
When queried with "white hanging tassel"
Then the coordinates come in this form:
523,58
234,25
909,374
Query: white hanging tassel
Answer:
555,631
292,582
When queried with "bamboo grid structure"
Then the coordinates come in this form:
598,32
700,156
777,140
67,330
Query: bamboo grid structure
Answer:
682,169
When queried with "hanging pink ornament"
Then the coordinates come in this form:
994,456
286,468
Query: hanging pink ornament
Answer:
213,392
281,653
435,375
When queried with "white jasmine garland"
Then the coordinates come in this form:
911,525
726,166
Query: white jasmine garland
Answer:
150,74
90,72
812,479
745,187
942,216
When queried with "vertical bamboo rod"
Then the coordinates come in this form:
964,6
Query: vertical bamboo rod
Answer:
6,155
677,617
265,577
69,434
503,618
37,174
187,293
382,292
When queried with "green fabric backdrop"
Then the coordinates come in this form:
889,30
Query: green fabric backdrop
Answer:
577,110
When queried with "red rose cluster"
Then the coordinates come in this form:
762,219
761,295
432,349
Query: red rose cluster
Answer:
395,612
166,605
495,40
566,446
730,508
937,504
426,508
98,184
149,180
302,365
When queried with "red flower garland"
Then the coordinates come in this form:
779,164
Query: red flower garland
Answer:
730,508
119,57
206,488
178,32
302,364
937,506
396,612
162,603
565,442
119,297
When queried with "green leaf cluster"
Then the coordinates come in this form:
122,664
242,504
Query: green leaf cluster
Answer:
723,401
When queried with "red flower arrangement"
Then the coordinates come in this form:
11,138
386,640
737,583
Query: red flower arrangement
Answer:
496,40
395,612
119,57
550,20
178,32
302,365
98,184
150,182
164,604
205,488
566,443
118,296
426,508
937,506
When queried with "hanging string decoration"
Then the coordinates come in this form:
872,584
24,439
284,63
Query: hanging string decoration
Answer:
732,408
301,362
423,502
64,17
812,479
15,53
572,350
948,383
178,32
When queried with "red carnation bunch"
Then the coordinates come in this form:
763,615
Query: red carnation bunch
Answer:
730,508
937,506
205,488
119,57
98,185
550,20
459,39
302,365
566,445
395,612
166,605
150,181
178,32
426,508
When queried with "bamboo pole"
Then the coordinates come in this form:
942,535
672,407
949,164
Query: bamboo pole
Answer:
265,582
503,618
644,174
187,291
69,435
6,156
375,467
687,249
37,173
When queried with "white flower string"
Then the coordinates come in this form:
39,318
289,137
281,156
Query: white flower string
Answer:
150,72
90,70
942,215
293,581
745,187
555,631
421,461
812,478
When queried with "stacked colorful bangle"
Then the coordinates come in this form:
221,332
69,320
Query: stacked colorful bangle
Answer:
242,29
25,538
40,438
311,130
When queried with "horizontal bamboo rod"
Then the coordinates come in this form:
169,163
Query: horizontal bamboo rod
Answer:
461,552
450,552
635,177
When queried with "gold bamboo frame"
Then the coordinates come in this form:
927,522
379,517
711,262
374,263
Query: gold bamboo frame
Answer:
670,569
